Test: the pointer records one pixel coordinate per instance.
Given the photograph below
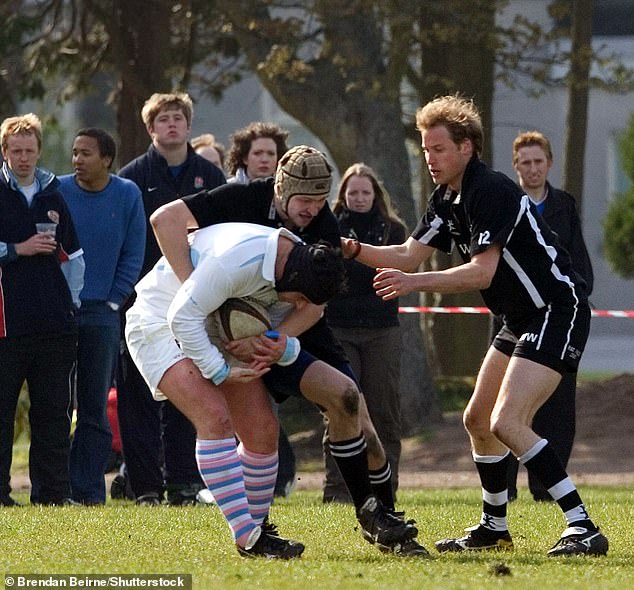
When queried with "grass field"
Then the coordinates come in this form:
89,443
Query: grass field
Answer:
123,538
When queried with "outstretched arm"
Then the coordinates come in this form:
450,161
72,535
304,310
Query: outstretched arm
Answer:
474,275
407,256
171,223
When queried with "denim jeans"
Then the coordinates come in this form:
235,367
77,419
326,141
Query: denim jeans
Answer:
92,442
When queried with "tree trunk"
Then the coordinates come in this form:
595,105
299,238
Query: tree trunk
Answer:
459,62
142,59
578,96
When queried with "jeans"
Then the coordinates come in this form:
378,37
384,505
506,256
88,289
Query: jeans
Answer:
92,442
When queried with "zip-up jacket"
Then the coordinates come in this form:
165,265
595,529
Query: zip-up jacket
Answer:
38,294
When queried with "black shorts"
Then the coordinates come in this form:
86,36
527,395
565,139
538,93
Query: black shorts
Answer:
284,382
554,337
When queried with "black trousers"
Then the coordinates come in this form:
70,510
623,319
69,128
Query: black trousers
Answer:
159,442
47,364
556,422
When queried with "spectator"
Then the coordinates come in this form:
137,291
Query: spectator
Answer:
205,145
41,276
255,150
108,214
168,170
556,419
367,327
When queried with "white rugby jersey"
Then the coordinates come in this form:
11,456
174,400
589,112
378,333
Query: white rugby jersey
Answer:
534,269
230,260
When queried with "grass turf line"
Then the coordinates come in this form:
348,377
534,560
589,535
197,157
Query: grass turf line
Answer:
123,538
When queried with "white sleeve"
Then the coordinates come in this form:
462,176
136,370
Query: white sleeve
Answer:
207,288
74,271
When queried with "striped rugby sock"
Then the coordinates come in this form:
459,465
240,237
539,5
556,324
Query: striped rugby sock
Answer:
381,482
221,470
260,474
351,457
542,461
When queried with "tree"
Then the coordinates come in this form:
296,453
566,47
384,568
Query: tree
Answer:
578,96
618,224
455,45
128,49
334,70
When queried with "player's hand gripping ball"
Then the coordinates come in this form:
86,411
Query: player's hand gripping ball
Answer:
236,318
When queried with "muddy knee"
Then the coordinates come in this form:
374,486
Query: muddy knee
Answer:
350,401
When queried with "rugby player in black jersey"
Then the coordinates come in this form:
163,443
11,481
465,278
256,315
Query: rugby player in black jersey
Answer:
516,262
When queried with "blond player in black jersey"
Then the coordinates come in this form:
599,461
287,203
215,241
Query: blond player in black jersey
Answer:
515,260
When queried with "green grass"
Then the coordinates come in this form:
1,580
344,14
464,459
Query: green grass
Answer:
123,538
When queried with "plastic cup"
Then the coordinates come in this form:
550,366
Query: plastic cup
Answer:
48,229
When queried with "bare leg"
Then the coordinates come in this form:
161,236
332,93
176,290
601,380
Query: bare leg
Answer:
203,403
477,415
526,386
338,395
216,451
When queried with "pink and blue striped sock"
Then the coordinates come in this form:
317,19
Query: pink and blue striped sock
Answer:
221,470
260,474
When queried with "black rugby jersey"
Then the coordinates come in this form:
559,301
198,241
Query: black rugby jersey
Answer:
534,270
253,203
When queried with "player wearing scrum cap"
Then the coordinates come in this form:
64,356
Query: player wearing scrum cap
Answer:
166,336
297,199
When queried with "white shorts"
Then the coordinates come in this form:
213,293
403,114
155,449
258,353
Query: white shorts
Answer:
152,348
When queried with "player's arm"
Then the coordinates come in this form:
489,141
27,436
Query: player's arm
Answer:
301,319
407,256
204,292
171,224
474,275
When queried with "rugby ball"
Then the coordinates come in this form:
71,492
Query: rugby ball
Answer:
241,318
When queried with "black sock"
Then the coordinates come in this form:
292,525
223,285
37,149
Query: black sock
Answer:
352,459
542,461
492,471
381,481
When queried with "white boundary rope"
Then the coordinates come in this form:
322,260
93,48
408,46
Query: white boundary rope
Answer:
599,313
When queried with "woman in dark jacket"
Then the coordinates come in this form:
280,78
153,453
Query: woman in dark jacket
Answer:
367,326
